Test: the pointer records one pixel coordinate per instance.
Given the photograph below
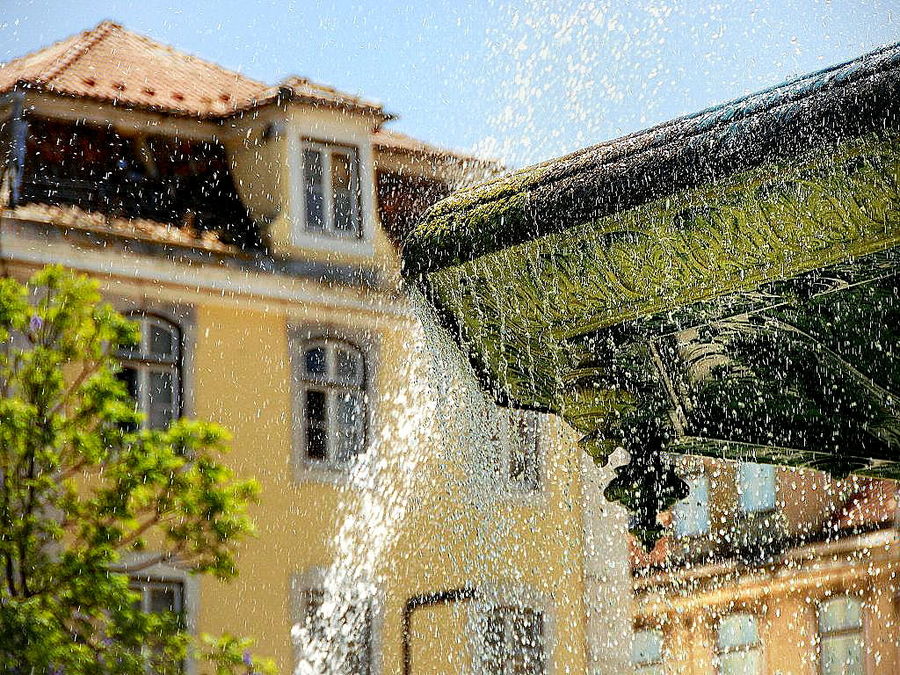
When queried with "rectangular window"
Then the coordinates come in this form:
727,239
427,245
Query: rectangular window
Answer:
514,641
739,648
841,637
159,597
692,512
340,642
647,652
151,370
331,189
756,487
333,401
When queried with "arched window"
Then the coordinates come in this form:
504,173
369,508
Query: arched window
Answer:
151,370
739,647
841,637
333,401
647,652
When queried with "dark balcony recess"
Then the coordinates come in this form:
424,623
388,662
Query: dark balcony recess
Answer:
181,182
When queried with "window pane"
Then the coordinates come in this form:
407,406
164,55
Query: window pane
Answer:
341,186
737,630
350,425
739,663
756,485
314,599
312,178
316,363
493,642
842,655
129,376
349,366
646,647
692,513
316,425
351,644
162,341
527,656
840,614
164,599
359,654
161,399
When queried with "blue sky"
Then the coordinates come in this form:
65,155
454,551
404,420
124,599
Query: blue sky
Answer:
521,80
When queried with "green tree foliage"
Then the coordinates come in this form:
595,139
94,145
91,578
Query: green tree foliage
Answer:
88,497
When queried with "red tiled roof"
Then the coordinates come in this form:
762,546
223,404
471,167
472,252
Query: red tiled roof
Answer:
306,91
874,504
394,141
110,63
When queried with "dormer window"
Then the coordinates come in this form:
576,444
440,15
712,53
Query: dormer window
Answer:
331,190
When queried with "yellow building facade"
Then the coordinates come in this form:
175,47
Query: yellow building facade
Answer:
250,229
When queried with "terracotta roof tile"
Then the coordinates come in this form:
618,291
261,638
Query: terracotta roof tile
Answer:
110,63
394,140
301,89
874,504
391,141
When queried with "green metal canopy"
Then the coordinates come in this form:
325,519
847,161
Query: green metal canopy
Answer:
724,284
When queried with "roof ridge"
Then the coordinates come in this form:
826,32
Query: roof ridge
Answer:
661,128
88,40
779,88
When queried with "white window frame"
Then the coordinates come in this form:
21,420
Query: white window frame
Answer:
823,634
744,648
754,495
143,362
648,666
325,151
694,484
332,388
144,585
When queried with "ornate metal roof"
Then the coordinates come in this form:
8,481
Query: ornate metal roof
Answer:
844,101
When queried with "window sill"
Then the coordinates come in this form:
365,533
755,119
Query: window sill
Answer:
307,471
355,246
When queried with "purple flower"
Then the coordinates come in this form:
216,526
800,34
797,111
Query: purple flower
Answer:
248,660
36,323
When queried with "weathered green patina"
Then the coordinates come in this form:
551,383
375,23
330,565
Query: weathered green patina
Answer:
725,284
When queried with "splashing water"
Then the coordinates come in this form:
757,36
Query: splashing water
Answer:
437,440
